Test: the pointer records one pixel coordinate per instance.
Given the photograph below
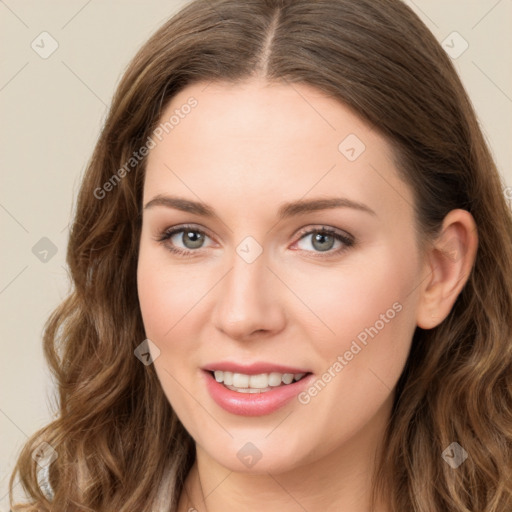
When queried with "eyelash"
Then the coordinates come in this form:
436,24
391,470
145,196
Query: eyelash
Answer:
347,241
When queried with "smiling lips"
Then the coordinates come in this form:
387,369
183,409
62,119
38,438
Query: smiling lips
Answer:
256,389
259,383
256,377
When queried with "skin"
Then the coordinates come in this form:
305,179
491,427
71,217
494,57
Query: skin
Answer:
244,150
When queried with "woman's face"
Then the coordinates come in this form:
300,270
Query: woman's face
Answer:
249,178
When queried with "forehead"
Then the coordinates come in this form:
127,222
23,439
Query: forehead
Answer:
280,142
256,110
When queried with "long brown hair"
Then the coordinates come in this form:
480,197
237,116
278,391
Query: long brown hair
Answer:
116,434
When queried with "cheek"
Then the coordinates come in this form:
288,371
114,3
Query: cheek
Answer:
156,303
166,297
370,309
384,318
360,300
167,294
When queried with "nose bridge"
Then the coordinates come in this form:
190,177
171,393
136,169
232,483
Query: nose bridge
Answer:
247,299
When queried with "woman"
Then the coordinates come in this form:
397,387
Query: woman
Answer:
292,267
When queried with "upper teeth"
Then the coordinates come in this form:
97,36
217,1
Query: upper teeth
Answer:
260,381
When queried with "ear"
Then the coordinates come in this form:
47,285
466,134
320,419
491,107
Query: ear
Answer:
448,263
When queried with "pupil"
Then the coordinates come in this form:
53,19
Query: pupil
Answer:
194,238
319,237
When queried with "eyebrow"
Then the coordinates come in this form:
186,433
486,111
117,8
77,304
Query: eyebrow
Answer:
285,211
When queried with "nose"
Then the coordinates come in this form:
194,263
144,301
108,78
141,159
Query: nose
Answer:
249,300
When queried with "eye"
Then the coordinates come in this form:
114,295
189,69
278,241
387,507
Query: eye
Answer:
190,237
192,240
323,240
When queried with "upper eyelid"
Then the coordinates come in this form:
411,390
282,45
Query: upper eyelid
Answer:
323,228
184,227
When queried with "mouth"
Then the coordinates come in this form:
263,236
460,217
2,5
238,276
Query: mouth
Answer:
256,383
251,393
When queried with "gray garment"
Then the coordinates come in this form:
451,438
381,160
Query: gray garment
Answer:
43,479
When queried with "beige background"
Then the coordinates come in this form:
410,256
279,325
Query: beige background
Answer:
51,113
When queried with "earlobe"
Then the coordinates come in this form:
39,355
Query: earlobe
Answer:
448,263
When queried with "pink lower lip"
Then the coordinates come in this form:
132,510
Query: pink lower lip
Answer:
253,404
